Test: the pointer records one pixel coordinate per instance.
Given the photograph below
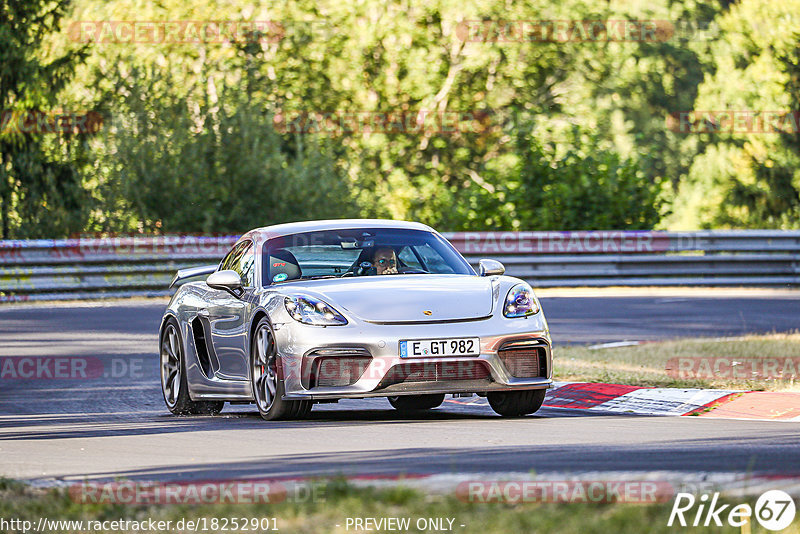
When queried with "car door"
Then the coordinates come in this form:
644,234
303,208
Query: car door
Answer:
228,315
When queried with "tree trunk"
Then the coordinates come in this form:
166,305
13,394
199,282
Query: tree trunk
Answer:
5,197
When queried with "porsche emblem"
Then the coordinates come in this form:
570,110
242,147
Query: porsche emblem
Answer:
428,312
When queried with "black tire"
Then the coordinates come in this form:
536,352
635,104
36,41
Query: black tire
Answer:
268,387
416,403
516,403
174,386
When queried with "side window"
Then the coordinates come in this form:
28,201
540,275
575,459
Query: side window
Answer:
228,261
246,267
409,259
433,260
241,259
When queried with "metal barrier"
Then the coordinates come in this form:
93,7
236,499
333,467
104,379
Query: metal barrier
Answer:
110,267
641,258
143,266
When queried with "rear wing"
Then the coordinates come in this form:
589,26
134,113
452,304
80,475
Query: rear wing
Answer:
192,272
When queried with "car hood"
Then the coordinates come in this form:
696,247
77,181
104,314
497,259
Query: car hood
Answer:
404,298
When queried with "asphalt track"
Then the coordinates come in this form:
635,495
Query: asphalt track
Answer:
117,426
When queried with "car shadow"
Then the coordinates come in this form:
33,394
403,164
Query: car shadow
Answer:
748,454
64,426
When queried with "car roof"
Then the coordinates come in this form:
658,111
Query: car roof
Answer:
279,230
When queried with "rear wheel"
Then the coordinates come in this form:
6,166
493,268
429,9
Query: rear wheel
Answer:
173,376
415,403
516,403
268,387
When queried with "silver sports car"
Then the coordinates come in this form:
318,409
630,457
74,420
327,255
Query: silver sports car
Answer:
313,312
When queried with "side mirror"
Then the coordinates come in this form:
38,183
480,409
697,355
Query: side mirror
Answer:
490,268
228,280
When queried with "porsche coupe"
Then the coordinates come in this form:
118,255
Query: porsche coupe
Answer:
313,312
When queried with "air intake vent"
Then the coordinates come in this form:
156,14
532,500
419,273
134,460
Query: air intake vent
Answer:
340,371
201,346
524,359
335,367
435,372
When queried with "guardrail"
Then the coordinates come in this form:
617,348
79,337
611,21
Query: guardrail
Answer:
143,266
641,258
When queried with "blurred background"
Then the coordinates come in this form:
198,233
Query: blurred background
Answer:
216,116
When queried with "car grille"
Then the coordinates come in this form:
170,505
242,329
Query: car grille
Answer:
435,372
336,367
524,358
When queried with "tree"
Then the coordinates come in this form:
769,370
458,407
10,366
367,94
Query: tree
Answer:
40,191
748,179
170,163
561,186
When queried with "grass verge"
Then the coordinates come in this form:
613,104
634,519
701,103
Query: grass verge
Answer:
341,500
757,362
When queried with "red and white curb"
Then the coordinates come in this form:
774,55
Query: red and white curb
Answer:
622,399
782,406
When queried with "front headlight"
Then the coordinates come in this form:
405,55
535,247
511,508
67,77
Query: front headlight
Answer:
520,302
309,310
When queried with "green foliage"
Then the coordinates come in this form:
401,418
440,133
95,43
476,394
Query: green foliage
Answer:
548,135
748,180
563,192
560,186
41,189
218,167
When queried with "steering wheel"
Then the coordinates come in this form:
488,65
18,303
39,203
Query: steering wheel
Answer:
362,270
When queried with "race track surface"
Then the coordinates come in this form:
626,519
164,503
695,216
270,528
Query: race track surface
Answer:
116,424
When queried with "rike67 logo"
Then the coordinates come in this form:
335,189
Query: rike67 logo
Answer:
774,510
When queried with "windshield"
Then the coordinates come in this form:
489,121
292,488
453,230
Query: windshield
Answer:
359,252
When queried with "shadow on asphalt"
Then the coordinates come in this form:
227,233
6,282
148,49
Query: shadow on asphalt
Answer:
124,417
778,455
57,426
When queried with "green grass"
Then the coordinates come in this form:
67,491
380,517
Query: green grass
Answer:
646,364
342,500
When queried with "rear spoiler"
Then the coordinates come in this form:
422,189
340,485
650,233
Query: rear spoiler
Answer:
191,272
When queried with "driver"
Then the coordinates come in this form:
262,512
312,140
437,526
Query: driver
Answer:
385,261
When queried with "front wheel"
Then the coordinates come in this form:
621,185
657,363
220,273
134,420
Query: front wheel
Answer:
516,403
415,403
268,387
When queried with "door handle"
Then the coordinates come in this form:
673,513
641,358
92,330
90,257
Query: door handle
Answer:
202,313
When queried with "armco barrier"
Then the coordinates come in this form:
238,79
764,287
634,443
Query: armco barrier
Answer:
641,258
143,266
86,268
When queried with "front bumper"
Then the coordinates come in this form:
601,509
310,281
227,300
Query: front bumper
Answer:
301,345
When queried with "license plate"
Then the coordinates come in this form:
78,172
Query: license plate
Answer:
426,348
